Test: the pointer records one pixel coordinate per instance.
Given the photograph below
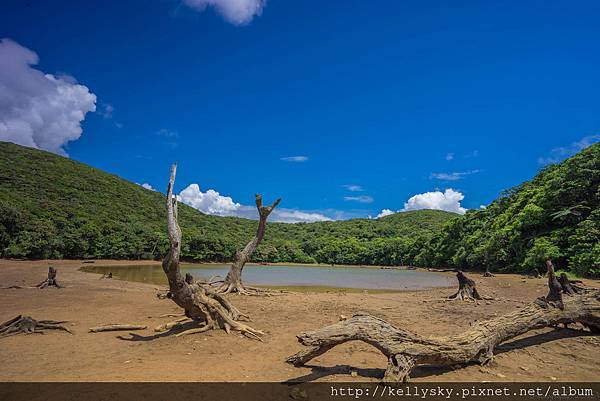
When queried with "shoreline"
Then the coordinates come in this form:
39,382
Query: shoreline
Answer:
86,301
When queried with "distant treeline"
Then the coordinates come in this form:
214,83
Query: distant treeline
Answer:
53,207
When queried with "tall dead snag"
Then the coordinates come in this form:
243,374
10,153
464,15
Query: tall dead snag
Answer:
466,288
50,280
405,349
200,303
233,281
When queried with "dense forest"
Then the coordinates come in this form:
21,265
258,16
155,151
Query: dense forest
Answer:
53,207
555,215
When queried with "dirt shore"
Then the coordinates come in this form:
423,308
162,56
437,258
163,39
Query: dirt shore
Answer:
87,301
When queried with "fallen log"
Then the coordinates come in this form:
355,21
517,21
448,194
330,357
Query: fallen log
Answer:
405,349
28,325
117,327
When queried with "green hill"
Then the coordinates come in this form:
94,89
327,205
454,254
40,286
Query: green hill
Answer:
54,207
555,215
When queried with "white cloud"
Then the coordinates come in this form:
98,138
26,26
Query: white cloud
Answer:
448,200
167,133
353,188
238,12
385,212
211,202
106,111
449,156
561,153
297,159
360,199
147,186
453,176
36,109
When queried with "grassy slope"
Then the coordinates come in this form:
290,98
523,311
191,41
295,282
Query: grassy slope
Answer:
62,200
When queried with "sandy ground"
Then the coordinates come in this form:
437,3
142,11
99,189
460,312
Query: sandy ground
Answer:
87,301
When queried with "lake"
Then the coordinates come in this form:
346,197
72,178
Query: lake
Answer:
294,276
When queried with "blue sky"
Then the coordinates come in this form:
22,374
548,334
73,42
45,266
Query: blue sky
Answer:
343,108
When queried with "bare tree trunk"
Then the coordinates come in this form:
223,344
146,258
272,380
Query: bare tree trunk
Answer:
27,325
466,288
51,280
200,303
405,349
233,281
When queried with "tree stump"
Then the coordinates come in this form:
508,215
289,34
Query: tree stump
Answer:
200,303
466,289
50,280
27,325
405,349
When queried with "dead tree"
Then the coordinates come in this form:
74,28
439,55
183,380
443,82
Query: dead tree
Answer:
405,349
466,288
570,286
200,303
27,325
233,281
488,273
51,280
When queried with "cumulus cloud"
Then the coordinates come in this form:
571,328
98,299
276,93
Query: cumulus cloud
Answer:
211,202
297,159
453,176
360,199
147,186
561,153
449,200
385,212
237,12
353,188
39,110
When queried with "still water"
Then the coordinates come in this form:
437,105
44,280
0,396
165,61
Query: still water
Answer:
293,276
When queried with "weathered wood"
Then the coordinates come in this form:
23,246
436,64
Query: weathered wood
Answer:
117,327
199,302
233,281
467,289
28,325
50,280
405,349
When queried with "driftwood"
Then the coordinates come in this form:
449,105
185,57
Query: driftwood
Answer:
117,327
467,291
201,303
488,273
405,349
50,280
27,325
233,281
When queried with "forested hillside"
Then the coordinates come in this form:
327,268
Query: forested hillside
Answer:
53,207
555,215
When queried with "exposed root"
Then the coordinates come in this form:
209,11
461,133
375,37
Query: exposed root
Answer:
241,289
171,325
27,325
117,327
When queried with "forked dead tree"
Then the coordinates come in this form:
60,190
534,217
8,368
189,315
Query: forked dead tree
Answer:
466,288
233,281
200,303
405,349
50,280
27,325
